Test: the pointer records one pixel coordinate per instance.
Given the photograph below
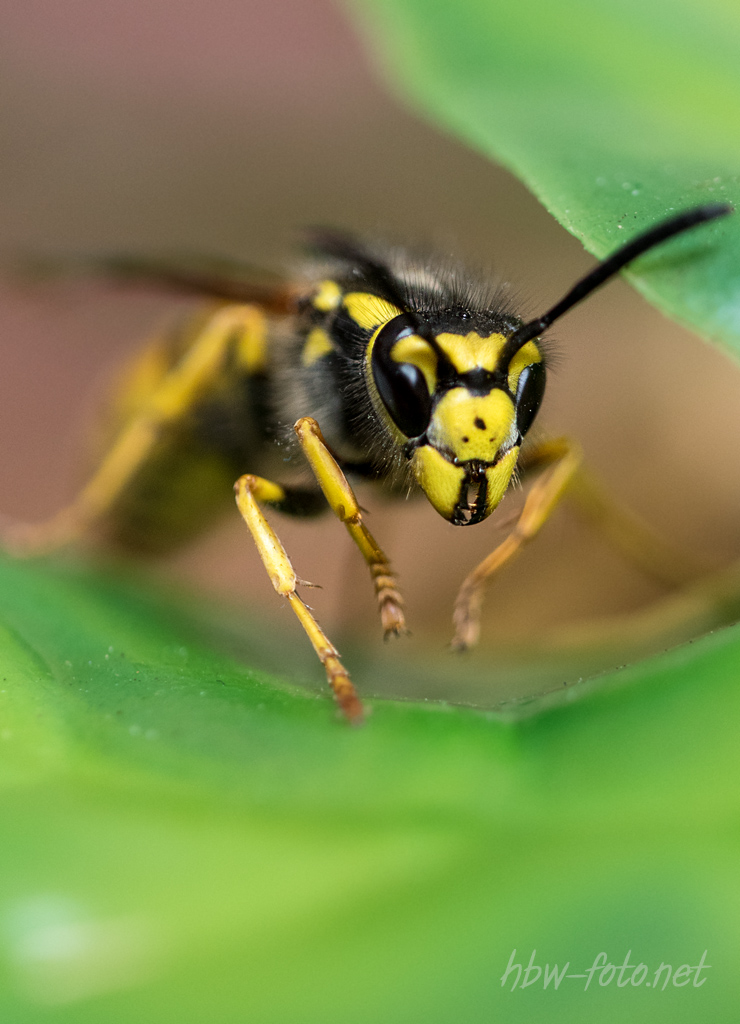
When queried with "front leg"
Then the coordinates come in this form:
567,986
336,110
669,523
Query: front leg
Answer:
562,457
250,491
344,505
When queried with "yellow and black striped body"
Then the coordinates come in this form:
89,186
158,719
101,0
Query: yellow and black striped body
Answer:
406,372
399,364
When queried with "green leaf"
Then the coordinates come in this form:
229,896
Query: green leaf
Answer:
187,839
613,114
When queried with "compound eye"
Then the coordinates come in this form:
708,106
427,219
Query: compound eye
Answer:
529,391
401,386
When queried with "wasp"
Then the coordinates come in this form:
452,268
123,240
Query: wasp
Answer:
373,366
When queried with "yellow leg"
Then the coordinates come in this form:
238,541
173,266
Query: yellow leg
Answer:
249,491
171,400
344,505
635,539
563,458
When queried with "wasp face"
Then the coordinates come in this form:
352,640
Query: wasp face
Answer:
463,414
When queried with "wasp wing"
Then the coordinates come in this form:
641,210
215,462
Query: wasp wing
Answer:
214,276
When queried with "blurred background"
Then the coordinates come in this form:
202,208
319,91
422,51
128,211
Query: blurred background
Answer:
226,126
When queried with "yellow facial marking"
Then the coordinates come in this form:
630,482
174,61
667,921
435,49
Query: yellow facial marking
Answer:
526,355
318,344
438,478
441,480
498,479
368,311
472,426
327,297
470,351
415,350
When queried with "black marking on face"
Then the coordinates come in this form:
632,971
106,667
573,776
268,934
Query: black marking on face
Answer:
474,485
529,393
402,386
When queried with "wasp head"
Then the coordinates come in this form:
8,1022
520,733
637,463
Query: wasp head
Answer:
462,410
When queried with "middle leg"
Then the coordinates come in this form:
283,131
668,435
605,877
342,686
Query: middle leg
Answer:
344,505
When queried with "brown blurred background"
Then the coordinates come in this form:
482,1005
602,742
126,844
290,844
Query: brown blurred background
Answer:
223,127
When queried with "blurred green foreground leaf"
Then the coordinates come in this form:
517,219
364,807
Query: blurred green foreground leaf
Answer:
613,114
184,839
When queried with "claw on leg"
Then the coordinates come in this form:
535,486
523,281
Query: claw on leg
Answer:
562,459
249,491
389,600
469,601
338,678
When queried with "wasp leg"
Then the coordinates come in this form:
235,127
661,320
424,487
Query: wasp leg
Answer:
250,490
231,328
563,458
635,539
624,529
344,505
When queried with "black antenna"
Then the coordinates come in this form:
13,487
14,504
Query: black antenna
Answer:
611,266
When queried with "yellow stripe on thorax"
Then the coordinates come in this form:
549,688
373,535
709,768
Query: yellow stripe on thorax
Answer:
318,344
369,311
328,296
